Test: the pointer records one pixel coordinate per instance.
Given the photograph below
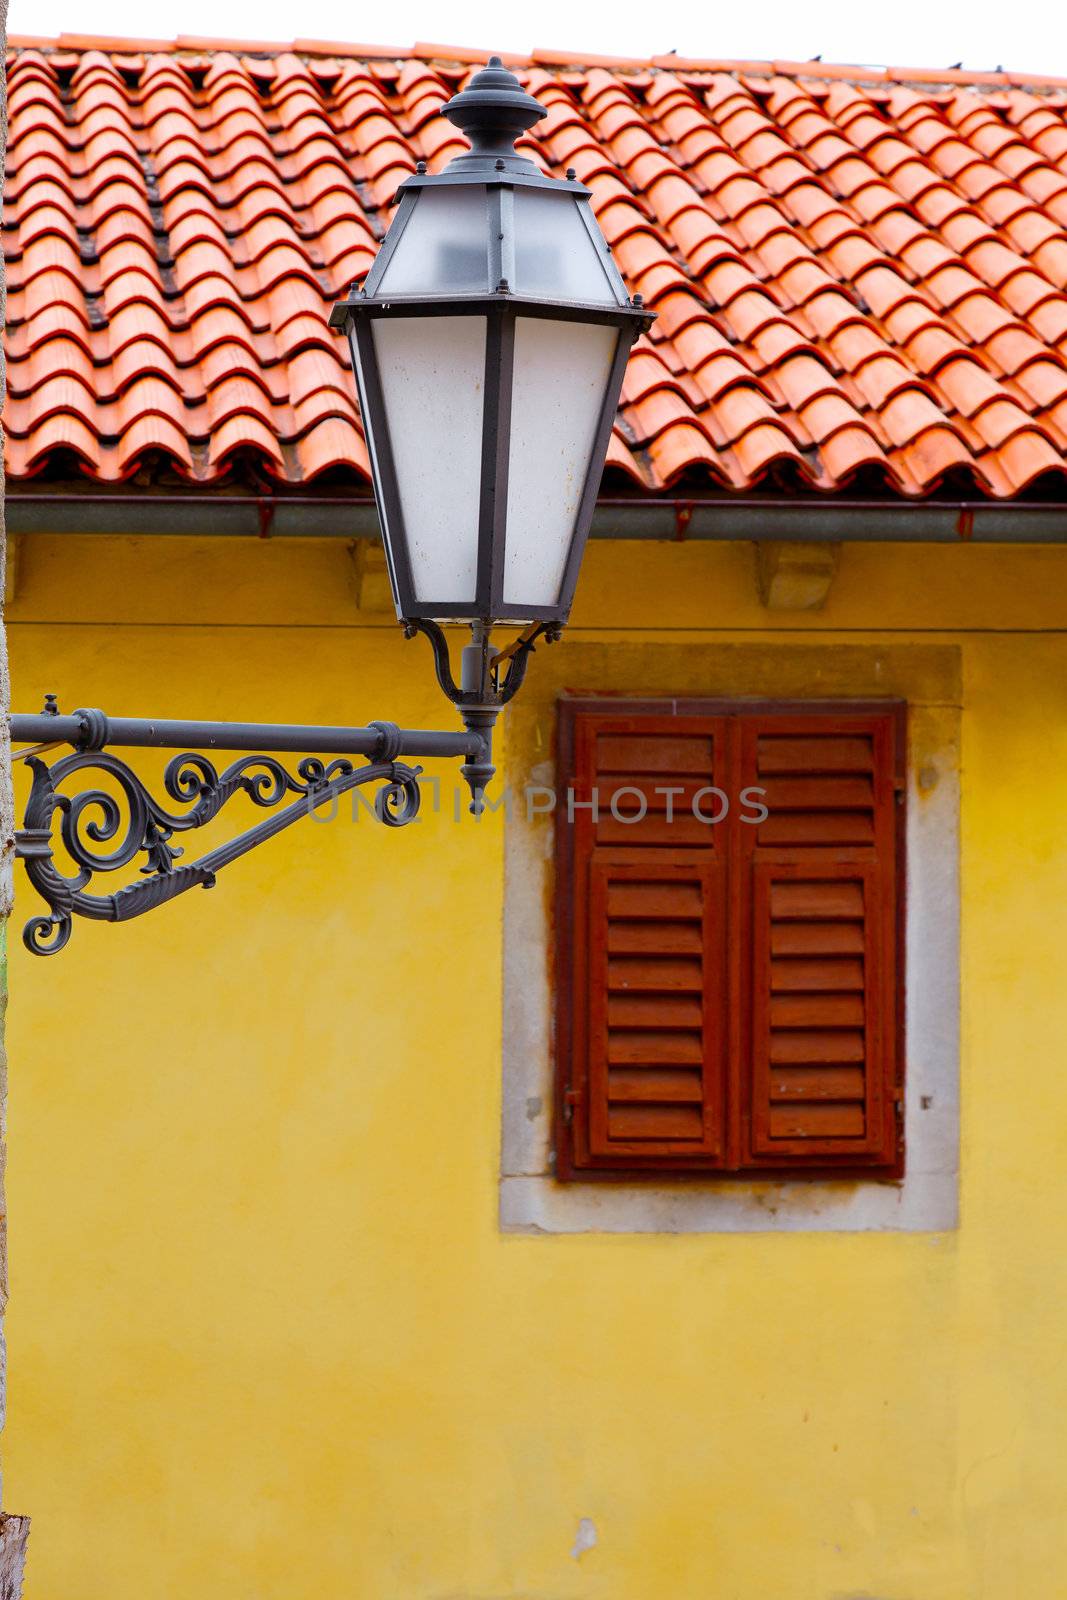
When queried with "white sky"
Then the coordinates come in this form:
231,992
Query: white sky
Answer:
1026,35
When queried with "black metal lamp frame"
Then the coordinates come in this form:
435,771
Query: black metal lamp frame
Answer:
493,111
102,833
501,311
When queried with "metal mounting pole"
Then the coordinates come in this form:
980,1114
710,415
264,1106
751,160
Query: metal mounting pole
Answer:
92,730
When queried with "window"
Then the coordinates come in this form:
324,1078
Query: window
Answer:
729,938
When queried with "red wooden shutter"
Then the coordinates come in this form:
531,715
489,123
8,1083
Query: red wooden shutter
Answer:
818,1081
729,993
645,1031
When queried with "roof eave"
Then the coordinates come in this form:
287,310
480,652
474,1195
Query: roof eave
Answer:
719,518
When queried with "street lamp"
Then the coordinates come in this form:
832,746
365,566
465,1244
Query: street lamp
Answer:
489,343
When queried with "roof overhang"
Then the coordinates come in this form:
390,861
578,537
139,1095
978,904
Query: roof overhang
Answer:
79,509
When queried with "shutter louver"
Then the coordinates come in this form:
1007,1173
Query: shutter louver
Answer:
822,936
655,934
647,982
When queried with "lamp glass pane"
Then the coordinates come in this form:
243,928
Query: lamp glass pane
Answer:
561,374
369,426
555,259
433,382
445,247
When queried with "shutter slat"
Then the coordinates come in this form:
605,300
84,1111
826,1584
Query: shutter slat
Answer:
815,977
817,1011
817,794
659,938
684,830
665,792
825,828
653,900
817,938
632,972
673,1048
828,902
655,1123
820,1122
817,1083
633,754
814,753
654,1011
656,1085
809,1047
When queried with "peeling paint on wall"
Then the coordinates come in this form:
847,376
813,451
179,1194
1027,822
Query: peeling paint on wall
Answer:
585,1539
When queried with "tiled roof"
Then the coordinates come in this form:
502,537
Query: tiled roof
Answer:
860,275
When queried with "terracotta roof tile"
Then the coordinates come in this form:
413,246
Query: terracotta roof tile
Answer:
684,449
60,433
1044,382
855,270
845,452
244,432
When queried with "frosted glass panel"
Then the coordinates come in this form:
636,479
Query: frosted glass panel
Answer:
555,259
433,381
445,247
561,373
368,432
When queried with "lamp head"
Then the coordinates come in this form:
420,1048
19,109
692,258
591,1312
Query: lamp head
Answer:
489,342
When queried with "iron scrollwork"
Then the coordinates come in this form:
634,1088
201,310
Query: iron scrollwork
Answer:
106,830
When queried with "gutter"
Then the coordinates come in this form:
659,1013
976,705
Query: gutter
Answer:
733,518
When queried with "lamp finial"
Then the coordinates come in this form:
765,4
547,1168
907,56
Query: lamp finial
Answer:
493,111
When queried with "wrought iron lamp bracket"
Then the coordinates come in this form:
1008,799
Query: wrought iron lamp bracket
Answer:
103,830
135,824
106,829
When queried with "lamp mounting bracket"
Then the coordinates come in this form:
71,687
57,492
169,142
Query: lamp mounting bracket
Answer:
117,821
483,684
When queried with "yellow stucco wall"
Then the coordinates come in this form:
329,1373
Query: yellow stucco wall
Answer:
265,1338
